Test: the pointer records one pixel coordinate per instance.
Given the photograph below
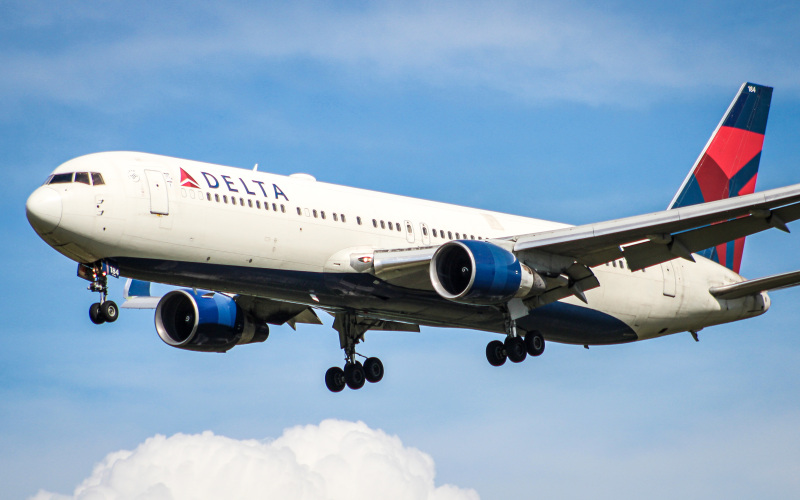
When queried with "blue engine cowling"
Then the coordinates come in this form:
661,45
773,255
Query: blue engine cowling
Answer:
479,272
202,321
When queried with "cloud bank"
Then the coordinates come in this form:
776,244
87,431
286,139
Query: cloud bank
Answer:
332,460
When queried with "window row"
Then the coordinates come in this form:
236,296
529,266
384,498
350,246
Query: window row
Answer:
335,216
249,202
322,215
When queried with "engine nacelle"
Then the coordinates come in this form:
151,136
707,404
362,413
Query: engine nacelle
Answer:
479,272
209,322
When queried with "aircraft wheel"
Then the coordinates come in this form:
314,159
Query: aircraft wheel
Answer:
354,375
496,353
373,370
109,310
534,343
334,379
95,315
515,349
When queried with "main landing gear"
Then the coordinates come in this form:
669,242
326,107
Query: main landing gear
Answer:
105,310
515,347
351,330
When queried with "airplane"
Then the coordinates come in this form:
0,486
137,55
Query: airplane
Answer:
250,249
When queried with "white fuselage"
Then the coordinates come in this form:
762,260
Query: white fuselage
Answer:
280,237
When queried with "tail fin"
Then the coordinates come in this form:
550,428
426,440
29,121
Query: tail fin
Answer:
728,165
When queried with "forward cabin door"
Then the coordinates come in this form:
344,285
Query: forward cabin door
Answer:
159,197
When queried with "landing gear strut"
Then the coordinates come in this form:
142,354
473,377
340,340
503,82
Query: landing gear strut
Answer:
515,347
351,330
105,310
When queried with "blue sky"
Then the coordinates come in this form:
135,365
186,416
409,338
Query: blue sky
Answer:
558,110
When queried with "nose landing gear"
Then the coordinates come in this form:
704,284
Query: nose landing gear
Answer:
105,310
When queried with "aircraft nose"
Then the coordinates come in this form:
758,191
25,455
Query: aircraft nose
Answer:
43,209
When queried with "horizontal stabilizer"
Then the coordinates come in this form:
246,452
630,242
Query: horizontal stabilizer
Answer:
751,287
137,295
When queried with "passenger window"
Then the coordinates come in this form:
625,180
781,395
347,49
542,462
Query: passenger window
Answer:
283,208
335,219
449,235
343,218
315,213
233,200
614,263
97,179
258,204
208,196
250,203
383,226
358,220
424,230
299,211
61,178
322,214
216,197
391,228
397,225
434,233
458,236
409,228
82,177
374,223
225,198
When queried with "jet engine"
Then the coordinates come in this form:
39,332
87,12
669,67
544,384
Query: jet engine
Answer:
479,272
208,322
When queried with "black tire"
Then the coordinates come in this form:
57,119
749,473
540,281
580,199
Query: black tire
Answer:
95,315
354,375
534,343
496,353
334,379
109,310
515,349
373,370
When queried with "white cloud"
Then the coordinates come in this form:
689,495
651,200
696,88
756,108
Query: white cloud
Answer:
332,460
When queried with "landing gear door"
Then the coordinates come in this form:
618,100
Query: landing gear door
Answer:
159,196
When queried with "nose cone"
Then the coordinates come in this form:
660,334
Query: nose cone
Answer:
44,210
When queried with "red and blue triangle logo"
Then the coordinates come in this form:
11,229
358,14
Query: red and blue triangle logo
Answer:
188,181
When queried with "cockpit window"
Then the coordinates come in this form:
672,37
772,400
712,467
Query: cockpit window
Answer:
61,178
82,177
89,178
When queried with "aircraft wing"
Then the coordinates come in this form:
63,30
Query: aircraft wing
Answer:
646,240
137,296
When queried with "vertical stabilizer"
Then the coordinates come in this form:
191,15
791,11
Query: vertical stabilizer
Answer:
728,165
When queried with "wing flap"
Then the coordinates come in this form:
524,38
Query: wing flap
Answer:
662,248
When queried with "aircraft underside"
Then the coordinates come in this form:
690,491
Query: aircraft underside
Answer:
558,322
